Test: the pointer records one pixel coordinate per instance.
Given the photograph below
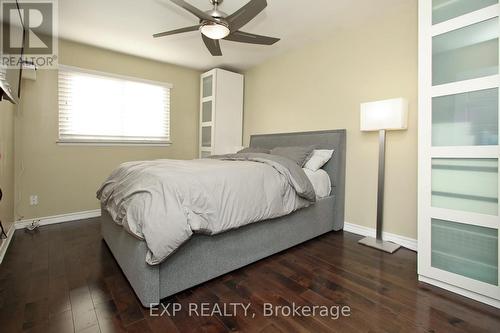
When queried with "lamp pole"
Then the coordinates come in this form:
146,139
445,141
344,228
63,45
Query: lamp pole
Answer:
381,183
378,242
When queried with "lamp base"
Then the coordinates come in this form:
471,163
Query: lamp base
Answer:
388,247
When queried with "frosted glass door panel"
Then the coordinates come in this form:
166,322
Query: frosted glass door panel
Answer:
469,119
205,154
443,10
206,114
465,184
206,136
467,53
467,250
207,86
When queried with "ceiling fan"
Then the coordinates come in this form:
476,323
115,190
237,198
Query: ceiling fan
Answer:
215,25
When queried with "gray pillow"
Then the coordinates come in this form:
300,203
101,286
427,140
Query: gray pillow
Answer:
255,150
297,154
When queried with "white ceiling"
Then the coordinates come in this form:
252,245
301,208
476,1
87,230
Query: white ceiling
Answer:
128,25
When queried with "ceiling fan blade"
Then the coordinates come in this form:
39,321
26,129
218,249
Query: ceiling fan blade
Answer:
245,37
213,45
193,10
176,31
245,14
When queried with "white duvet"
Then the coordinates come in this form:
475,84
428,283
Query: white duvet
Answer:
165,201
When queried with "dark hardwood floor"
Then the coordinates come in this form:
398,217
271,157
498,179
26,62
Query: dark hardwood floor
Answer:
63,278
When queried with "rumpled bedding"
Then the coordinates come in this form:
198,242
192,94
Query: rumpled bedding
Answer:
165,202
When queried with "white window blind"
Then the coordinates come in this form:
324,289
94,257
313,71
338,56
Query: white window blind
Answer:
104,108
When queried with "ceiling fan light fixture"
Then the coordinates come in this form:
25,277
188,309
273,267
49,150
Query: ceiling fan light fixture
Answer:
215,30
214,25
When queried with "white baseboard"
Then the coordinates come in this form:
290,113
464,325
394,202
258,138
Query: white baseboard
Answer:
407,242
59,218
6,242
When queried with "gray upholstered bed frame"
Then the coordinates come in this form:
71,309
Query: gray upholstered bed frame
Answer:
205,257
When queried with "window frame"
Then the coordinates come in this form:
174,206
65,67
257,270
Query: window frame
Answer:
111,143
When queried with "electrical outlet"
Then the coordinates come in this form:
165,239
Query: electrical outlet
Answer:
33,200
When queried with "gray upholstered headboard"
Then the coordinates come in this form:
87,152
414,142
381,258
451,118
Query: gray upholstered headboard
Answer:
333,139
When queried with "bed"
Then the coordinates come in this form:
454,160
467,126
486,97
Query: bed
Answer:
203,257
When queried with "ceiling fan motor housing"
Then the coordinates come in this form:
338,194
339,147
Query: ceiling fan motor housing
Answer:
217,14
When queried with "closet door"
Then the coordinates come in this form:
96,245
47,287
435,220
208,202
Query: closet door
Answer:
458,145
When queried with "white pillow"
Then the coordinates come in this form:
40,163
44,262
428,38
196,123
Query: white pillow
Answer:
318,159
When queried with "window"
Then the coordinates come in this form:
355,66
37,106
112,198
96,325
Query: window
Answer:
100,108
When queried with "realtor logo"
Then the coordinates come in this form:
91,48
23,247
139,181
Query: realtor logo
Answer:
29,29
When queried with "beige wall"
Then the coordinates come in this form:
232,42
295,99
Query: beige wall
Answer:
7,163
66,177
321,86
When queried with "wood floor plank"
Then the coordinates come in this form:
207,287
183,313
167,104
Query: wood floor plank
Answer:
63,278
61,322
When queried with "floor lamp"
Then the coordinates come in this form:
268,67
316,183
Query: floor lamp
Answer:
382,116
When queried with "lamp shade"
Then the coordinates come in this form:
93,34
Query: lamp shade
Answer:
390,114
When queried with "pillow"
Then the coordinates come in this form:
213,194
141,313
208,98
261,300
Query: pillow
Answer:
318,158
255,150
297,154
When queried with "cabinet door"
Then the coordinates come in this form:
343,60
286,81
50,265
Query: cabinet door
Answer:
207,86
458,145
207,112
206,136
205,154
